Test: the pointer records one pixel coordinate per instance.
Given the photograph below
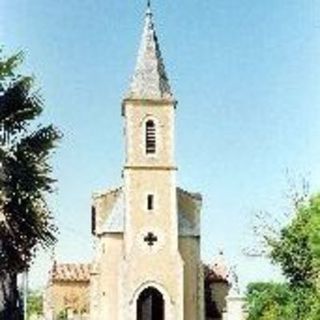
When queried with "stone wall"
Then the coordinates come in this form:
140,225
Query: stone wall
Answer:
66,296
236,308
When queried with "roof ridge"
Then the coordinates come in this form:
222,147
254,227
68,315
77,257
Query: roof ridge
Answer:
194,195
102,193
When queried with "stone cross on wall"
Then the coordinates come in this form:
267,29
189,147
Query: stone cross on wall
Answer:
150,238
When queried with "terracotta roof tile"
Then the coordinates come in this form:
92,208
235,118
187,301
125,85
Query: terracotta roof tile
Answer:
70,272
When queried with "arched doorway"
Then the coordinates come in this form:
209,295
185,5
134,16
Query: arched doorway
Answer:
150,305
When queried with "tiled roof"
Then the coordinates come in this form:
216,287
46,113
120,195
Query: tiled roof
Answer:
70,272
150,81
115,221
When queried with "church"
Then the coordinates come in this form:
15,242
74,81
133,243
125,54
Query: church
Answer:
147,231
147,235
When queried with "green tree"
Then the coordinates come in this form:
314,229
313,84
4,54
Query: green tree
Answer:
296,249
270,301
281,301
35,303
26,222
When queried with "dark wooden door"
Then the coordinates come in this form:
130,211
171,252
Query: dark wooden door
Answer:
150,305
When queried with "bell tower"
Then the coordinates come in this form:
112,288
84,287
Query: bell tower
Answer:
147,231
151,220
150,171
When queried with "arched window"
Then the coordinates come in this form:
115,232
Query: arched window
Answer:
150,305
150,137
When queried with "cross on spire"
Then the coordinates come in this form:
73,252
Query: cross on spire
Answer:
150,238
149,12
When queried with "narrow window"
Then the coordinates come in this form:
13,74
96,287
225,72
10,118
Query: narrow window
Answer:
150,201
93,220
150,137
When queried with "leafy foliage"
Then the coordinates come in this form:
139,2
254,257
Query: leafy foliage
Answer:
25,173
270,301
35,303
297,251
8,66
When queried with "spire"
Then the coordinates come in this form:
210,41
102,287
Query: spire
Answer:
150,81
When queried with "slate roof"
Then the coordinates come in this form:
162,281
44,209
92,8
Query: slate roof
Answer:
115,221
70,272
110,217
150,80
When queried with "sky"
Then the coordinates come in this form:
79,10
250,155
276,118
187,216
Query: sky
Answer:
246,75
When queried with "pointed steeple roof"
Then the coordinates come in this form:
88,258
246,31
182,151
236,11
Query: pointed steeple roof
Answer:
150,81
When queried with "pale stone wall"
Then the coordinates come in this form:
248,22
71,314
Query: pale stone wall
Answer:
106,288
236,308
159,265
189,248
164,272
162,221
95,292
68,295
136,114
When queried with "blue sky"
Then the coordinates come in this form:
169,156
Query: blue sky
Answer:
247,77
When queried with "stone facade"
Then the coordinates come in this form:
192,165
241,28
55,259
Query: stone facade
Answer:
67,291
69,286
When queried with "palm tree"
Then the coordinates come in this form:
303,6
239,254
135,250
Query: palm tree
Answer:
26,222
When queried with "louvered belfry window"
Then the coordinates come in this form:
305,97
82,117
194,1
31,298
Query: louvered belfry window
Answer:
150,137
